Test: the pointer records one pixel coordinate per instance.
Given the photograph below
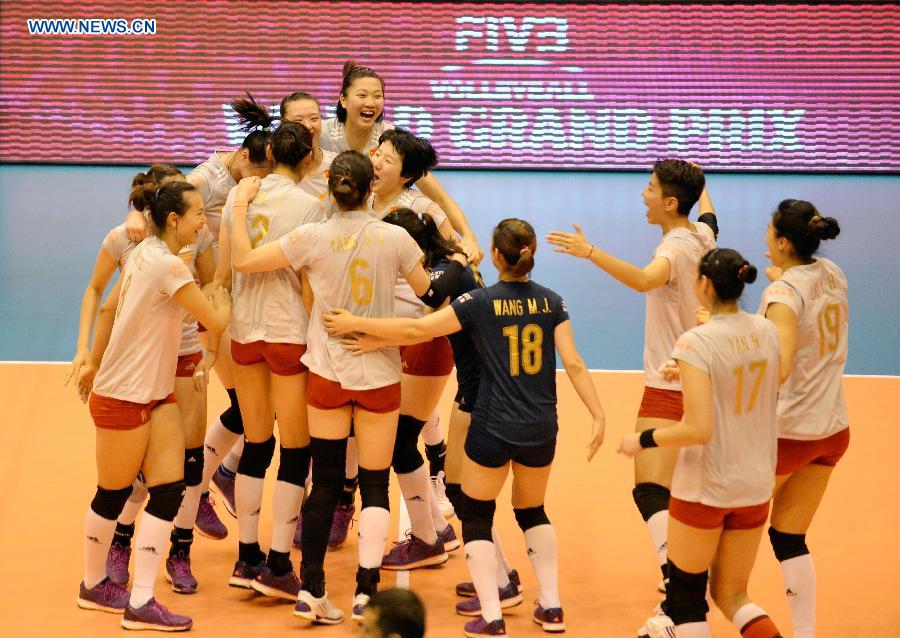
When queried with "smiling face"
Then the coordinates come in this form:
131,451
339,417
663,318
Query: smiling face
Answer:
307,113
388,164
364,101
188,226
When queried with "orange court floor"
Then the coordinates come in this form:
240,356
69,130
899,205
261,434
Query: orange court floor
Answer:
608,572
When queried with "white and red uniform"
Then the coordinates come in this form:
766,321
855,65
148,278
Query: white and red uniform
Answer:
214,181
316,183
334,137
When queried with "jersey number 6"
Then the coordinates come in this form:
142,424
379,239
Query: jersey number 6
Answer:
360,284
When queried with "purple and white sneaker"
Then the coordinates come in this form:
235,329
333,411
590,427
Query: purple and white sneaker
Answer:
285,587
106,596
414,553
117,563
244,573
343,520
449,539
509,597
154,616
178,572
550,620
317,610
224,482
208,522
481,627
467,590
359,606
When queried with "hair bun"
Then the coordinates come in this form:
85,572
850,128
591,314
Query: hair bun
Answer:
824,227
747,273
349,65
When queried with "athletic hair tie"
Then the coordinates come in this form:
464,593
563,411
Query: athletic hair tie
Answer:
815,218
743,269
525,249
156,194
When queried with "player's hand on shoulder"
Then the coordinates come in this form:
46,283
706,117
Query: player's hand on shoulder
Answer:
472,250
247,189
136,226
460,258
702,315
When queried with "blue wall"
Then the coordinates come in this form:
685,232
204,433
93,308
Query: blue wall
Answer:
53,218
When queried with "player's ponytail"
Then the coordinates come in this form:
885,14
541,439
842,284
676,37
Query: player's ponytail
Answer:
728,271
799,222
254,119
350,179
516,242
425,233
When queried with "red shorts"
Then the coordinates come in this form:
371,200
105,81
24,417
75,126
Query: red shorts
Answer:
282,358
708,517
325,394
661,404
430,359
187,363
794,454
116,414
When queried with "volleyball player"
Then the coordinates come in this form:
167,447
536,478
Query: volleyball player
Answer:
674,187
729,370
138,427
303,108
268,332
808,304
516,324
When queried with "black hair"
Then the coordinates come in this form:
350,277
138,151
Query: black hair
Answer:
682,180
161,200
350,178
351,74
728,271
516,241
255,119
296,96
425,233
799,222
400,612
291,143
418,155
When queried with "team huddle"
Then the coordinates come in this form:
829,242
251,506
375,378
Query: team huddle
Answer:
331,283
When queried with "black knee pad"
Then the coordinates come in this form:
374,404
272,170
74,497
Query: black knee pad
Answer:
787,546
685,596
256,458
407,457
231,418
531,517
478,518
293,465
650,498
193,466
373,488
328,460
455,496
165,500
109,503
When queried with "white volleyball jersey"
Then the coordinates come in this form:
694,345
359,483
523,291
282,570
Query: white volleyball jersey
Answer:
671,307
736,467
214,181
353,262
811,402
267,306
316,183
334,138
140,360
119,247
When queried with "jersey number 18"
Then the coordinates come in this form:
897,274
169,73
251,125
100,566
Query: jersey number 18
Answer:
531,358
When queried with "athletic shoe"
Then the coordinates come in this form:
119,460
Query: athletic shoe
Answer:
154,616
359,606
449,539
178,572
104,596
318,610
414,553
467,590
657,626
481,627
244,573
440,494
208,522
117,563
286,587
550,620
224,482
343,520
509,597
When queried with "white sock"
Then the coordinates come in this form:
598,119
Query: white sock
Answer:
234,455
437,516
373,531
134,504
693,630
416,489
285,511
745,614
481,558
190,504
800,586
219,441
658,524
248,493
149,550
502,564
432,433
351,467
541,543
98,534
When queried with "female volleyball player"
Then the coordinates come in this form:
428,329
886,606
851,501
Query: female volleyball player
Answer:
138,427
808,304
516,324
674,188
268,332
729,370
303,108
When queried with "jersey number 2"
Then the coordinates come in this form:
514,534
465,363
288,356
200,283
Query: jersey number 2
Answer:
531,358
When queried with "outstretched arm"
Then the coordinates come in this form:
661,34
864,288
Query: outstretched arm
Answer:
396,331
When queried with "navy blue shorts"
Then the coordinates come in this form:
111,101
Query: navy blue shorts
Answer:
489,451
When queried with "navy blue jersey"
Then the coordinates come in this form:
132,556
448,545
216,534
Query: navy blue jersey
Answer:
512,325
